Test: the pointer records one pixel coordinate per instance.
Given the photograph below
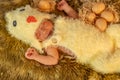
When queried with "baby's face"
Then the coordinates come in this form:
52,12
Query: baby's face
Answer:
44,30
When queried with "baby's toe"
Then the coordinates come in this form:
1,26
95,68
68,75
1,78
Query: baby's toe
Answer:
29,50
32,50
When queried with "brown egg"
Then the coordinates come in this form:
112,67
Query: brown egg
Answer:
101,24
91,16
98,7
44,5
107,15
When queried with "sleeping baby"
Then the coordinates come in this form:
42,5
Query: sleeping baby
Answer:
43,31
46,32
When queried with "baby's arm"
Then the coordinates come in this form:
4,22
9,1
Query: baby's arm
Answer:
50,59
63,5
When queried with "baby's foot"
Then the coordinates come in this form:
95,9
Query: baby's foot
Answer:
31,53
62,5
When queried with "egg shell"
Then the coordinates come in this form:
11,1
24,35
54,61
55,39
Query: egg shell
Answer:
44,5
91,16
98,7
101,24
107,15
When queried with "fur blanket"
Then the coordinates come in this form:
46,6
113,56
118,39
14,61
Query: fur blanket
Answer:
13,65
90,46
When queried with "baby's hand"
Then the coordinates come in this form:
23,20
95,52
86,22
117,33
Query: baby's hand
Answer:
31,53
62,5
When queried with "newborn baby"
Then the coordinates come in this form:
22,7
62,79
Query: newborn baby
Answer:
90,46
43,32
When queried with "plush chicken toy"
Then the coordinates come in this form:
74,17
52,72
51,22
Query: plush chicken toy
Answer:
98,49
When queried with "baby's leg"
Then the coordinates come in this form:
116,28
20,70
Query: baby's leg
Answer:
63,5
50,59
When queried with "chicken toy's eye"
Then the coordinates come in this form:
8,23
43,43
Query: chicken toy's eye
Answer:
14,23
22,9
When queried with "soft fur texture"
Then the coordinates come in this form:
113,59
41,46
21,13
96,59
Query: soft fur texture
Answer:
99,50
